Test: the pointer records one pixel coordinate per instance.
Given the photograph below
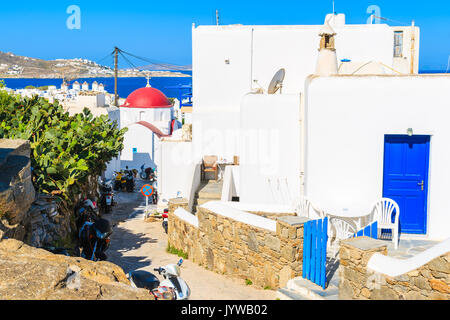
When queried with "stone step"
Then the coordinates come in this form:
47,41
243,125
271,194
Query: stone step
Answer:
287,294
311,290
201,201
209,195
211,190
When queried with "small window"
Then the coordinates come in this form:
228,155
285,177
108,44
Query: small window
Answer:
141,115
398,44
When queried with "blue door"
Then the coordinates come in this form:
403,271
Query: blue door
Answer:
405,179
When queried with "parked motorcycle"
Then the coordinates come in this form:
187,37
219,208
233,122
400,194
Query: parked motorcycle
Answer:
165,222
129,180
86,211
145,173
94,239
118,180
106,196
154,197
171,288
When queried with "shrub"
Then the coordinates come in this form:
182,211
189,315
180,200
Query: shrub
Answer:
65,150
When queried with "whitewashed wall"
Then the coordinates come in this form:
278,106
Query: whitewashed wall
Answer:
270,149
114,164
177,172
347,119
147,145
157,116
226,60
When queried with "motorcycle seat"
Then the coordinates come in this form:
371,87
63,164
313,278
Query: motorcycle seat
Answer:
144,279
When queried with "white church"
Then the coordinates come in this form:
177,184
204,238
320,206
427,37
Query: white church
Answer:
352,121
149,116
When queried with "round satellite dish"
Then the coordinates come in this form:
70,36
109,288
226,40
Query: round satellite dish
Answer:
277,81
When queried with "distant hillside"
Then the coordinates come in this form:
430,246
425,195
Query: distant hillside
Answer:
13,66
26,67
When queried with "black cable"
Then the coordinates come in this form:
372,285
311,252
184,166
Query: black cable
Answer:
108,56
155,62
129,62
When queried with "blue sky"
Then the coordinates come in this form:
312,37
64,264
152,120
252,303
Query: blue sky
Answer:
161,30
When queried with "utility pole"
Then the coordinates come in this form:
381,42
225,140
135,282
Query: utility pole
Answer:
116,74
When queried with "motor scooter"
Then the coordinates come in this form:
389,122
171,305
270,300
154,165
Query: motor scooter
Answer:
129,182
143,173
106,196
172,282
165,222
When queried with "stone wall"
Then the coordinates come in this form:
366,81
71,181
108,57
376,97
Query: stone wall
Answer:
16,188
37,219
226,246
430,281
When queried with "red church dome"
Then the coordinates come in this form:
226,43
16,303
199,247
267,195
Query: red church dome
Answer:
147,97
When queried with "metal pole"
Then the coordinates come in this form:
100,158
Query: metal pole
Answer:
116,74
217,17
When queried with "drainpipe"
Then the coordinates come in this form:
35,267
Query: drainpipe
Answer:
413,40
251,62
303,132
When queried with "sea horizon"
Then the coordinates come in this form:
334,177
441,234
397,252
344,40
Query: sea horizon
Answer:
125,85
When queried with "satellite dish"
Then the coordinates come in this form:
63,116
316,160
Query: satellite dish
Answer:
276,82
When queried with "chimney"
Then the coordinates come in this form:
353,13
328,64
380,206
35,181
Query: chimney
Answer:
327,60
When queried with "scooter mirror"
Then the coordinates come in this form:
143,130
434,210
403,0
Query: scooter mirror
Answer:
180,262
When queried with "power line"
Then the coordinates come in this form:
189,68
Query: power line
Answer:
126,59
155,62
387,19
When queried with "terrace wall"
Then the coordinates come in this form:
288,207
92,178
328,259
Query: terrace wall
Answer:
430,281
268,256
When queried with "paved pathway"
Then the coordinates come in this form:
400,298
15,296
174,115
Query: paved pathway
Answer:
136,244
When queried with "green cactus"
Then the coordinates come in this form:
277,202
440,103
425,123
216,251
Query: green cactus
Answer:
65,149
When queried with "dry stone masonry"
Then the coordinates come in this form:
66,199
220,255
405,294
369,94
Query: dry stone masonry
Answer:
226,246
16,188
429,282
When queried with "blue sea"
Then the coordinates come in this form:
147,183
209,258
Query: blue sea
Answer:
124,85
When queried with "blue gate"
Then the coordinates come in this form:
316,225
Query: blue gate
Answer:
315,251
371,231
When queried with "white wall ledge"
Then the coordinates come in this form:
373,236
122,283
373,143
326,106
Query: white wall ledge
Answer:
260,207
393,267
225,210
186,216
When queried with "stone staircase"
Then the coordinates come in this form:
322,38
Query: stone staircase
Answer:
208,191
303,289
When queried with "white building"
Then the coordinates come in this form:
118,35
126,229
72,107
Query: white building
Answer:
339,138
85,86
231,61
76,86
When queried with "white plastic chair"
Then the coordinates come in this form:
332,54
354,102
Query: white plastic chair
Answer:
305,208
342,230
382,212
